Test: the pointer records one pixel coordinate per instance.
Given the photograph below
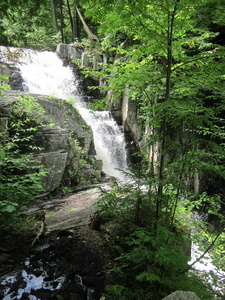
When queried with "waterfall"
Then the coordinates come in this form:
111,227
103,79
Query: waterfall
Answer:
43,73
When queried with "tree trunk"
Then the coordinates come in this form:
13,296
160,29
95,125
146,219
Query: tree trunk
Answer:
71,19
171,18
61,21
91,36
76,26
53,9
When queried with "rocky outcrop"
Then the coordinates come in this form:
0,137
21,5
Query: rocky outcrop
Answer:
63,141
71,52
14,79
182,295
77,54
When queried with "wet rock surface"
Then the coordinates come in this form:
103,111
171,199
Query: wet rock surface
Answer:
75,211
67,261
65,265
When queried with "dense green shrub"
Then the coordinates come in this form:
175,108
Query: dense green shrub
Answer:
20,174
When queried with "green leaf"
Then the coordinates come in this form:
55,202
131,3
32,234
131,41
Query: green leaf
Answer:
145,276
6,206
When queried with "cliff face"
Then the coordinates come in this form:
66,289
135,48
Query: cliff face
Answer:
63,141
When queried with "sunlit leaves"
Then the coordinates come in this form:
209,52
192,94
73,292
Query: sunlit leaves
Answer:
172,70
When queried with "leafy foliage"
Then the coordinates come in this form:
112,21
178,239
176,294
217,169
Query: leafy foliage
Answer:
28,25
40,24
169,59
17,186
20,173
150,263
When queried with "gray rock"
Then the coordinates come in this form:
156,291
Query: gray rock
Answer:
62,50
182,295
70,52
16,80
63,139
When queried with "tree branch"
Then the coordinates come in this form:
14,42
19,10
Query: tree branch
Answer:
86,28
203,254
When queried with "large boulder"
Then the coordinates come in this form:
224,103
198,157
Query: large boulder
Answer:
63,140
72,52
182,295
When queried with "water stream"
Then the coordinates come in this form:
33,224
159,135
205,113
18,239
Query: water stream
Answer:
44,73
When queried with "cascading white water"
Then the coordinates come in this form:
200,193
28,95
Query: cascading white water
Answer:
44,73
109,141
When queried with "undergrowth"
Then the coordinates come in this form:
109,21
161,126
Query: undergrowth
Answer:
150,256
